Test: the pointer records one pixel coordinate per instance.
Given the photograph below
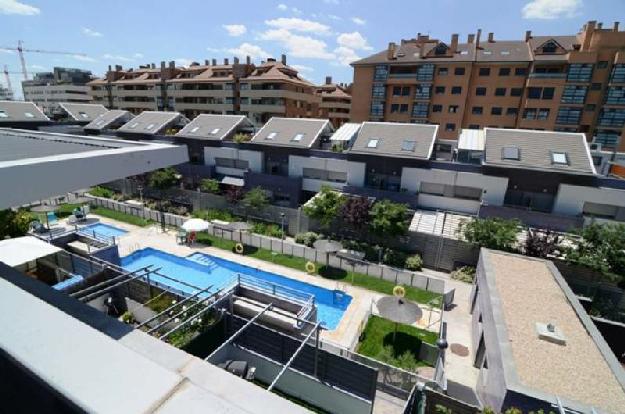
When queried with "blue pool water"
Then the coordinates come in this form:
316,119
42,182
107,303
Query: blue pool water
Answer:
103,230
202,270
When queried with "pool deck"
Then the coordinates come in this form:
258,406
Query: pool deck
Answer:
354,318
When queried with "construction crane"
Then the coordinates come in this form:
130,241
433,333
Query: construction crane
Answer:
8,78
20,50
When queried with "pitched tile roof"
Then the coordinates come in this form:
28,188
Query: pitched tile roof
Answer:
277,71
538,150
292,132
395,139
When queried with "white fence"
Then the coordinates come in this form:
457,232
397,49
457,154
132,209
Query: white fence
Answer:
391,274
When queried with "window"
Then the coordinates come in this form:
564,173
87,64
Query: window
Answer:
408,145
511,153
568,115
543,114
533,93
439,90
574,94
459,71
420,110
440,49
500,92
607,138
373,143
512,111
480,91
504,71
195,129
3,114
394,108
297,137
381,72
477,110
474,126
520,71
271,136
403,108
214,131
443,71
422,91
602,64
590,107
548,93
377,109
559,158
579,72
378,90
516,91
615,95
550,47
450,127
612,117
425,72
396,90
401,90
596,86
456,90
496,110
29,115
484,72
437,108
453,109
618,73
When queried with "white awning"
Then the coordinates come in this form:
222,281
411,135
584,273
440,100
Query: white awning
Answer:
15,252
346,132
471,140
239,182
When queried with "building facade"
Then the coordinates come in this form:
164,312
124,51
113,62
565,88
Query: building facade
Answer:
5,94
48,89
259,92
564,83
336,102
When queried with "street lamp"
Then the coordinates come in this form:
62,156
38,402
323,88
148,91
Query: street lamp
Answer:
282,215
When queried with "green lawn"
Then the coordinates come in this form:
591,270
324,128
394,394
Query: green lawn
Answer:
299,263
377,342
119,216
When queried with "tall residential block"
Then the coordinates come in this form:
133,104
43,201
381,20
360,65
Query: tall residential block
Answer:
48,89
564,83
336,102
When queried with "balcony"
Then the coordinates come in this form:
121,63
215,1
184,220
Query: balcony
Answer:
274,109
535,75
202,93
397,197
532,218
340,105
278,93
403,75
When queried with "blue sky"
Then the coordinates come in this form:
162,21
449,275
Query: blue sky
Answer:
319,37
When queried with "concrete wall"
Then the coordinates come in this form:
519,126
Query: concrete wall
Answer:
571,198
254,158
461,205
355,171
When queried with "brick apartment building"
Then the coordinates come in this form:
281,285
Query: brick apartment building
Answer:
260,92
336,102
564,83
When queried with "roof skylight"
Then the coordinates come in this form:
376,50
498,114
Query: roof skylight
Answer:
83,114
150,126
215,131
195,129
133,126
560,158
271,135
408,145
373,143
3,114
511,153
29,115
298,137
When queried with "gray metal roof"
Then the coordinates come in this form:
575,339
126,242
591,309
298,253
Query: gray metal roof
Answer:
152,122
292,132
108,119
537,150
214,127
83,112
12,111
395,139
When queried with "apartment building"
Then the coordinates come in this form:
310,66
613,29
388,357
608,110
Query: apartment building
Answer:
564,83
5,94
259,92
48,89
336,102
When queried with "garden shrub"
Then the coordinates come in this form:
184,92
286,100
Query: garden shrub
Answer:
464,274
308,238
414,262
98,191
394,258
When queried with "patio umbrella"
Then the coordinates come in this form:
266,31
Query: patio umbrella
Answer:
195,224
44,208
398,310
327,246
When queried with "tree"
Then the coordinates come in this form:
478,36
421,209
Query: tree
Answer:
239,138
492,233
209,185
162,180
325,206
388,219
256,199
600,247
14,223
355,212
541,244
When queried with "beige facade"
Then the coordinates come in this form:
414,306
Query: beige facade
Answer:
565,83
336,102
259,92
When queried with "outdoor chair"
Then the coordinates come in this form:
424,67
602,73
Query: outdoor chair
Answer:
52,219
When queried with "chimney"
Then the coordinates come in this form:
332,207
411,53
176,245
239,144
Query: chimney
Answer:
206,62
587,35
390,53
328,80
226,61
477,37
236,60
118,68
283,59
110,68
471,38
153,66
172,64
248,60
491,37
214,62
599,25
616,26
528,35
454,43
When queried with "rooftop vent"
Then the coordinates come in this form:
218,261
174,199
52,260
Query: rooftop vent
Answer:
550,333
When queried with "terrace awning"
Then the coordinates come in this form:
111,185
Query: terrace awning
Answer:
236,181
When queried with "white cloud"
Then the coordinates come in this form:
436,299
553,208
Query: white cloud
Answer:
334,17
331,1
295,10
282,7
298,45
6,51
302,68
15,7
138,56
235,29
353,40
551,9
346,55
299,25
90,32
84,58
213,49
359,21
248,49
36,67
119,58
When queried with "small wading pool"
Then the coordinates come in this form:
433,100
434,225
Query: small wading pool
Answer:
102,230
203,270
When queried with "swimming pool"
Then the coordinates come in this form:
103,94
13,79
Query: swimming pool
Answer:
102,230
203,270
